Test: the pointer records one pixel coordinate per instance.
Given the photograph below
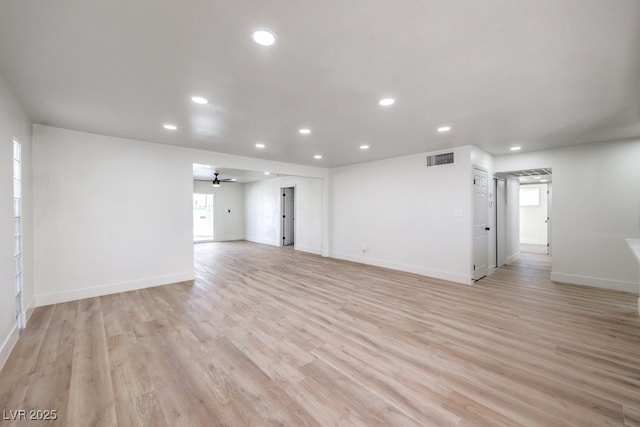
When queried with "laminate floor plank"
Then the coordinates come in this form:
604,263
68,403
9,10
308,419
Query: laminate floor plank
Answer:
269,336
91,399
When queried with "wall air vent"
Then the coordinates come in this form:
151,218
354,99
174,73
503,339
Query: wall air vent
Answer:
440,159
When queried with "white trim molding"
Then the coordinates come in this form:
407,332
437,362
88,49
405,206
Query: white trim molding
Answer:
7,346
594,282
513,258
230,238
28,310
307,249
428,272
113,288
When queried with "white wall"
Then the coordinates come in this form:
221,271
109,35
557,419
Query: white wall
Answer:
596,205
533,226
313,235
228,197
114,214
263,212
110,215
14,122
400,214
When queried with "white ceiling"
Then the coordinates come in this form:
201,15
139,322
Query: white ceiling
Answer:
206,173
533,73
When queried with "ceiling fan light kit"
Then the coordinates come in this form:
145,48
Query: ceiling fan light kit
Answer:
216,181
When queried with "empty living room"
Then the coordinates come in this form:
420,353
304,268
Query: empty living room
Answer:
320,213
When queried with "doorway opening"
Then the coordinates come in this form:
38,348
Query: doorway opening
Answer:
500,221
534,218
202,217
523,214
287,207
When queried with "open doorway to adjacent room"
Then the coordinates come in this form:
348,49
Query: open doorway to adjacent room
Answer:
534,218
202,217
218,202
523,214
535,210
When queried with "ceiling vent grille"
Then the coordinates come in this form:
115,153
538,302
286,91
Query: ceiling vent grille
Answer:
440,159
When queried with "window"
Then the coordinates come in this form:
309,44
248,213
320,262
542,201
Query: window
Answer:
202,217
529,196
17,230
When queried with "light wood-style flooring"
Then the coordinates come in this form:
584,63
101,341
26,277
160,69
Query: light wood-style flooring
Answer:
271,336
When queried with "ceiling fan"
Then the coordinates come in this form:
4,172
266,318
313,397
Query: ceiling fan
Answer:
216,181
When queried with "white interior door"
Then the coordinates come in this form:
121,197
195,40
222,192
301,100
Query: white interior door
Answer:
288,216
480,224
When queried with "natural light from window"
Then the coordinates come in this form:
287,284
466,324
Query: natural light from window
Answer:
202,217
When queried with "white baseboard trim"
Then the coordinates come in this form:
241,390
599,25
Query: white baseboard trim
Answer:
261,241
513,258
308,249
436,274
228,238
533,242
7,345
28,309
595,282
112,288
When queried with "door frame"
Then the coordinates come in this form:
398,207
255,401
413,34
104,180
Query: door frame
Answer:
503,231
549,198
282,212
547,229
501,221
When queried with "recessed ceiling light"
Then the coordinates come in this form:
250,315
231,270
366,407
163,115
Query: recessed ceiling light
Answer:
199,100
267,173
443,129
259,145
169,126
264,37
317,156
364,147
385,102
516,148
305,131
